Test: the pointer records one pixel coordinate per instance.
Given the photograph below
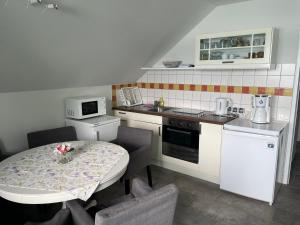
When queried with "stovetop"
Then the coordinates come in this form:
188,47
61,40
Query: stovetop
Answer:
189,111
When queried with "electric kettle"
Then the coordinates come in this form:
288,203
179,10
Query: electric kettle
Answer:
222,105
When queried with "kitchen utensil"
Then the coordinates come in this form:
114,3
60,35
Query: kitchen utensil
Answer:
172,64
222,105
261,109
224,56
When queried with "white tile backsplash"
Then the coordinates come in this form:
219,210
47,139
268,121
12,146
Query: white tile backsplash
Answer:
188,95
188,79
158,78
197,79
172,94
206,79
284,101
273,81
216,79
275,70
180,78
165,78
237,80
287,81
205,96
288,69
260,81
248,80
278,76
197,95
261,72
187,103
179,94
172,79
158,93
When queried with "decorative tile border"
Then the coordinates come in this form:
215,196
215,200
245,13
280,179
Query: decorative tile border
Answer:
277,91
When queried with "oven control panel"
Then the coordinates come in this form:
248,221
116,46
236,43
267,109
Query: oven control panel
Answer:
184,124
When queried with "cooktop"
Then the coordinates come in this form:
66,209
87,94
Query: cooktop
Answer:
189,111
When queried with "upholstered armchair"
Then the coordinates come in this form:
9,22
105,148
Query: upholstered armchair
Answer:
142,206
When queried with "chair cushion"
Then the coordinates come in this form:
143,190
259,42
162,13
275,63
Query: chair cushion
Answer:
140,188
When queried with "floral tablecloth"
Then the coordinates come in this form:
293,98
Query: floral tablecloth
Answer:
37,169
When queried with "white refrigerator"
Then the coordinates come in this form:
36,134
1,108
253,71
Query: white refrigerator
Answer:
101,128
249,158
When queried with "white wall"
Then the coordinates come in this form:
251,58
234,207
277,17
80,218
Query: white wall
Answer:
88,42
280,14
22,112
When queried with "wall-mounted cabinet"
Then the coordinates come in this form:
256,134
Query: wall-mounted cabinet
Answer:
243,49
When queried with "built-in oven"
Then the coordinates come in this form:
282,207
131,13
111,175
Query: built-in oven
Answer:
181,139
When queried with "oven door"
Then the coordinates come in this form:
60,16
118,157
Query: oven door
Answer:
181,143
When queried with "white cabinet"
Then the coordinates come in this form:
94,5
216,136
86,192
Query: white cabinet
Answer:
241,49
209,146
210,150
148,122
249,164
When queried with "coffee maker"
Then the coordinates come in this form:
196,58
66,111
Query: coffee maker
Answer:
261,109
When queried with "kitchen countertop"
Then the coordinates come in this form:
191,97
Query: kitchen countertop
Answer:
244,125
208,117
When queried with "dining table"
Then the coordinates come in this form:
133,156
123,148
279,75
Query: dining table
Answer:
36,176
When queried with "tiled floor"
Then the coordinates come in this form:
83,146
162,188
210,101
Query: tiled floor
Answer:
204,203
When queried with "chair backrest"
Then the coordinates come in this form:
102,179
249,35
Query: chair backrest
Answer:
156,208
130,137
40,138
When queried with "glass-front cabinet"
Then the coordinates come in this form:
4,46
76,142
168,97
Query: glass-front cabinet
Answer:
235,49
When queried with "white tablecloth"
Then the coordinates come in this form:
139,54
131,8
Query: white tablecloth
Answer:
37,169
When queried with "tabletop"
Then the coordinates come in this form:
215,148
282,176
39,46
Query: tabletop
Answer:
34,177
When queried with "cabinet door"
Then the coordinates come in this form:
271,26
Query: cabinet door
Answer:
209,150
157,135
232,49
249,164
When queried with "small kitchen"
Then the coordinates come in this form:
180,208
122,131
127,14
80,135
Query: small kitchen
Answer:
198,101
218,116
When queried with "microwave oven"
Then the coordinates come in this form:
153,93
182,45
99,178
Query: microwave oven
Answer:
85,107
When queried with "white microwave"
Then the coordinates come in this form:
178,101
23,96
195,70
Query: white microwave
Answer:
85,107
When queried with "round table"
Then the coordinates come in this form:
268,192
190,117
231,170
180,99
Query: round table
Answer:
34,196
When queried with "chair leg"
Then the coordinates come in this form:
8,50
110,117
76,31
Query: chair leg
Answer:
127,186
149,176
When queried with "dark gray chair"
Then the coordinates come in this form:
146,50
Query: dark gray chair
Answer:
62,217
4,155
138,143
146,206
45,137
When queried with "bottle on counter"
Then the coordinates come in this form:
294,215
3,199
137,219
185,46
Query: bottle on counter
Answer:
161,102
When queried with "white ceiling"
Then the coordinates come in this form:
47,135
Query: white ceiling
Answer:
91,42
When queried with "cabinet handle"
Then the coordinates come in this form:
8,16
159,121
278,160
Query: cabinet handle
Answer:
122,113
179,131
158,131
224,62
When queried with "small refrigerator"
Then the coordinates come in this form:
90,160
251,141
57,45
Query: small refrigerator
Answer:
249,158
101,128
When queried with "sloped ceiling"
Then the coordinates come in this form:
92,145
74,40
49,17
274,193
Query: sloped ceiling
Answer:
90,42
